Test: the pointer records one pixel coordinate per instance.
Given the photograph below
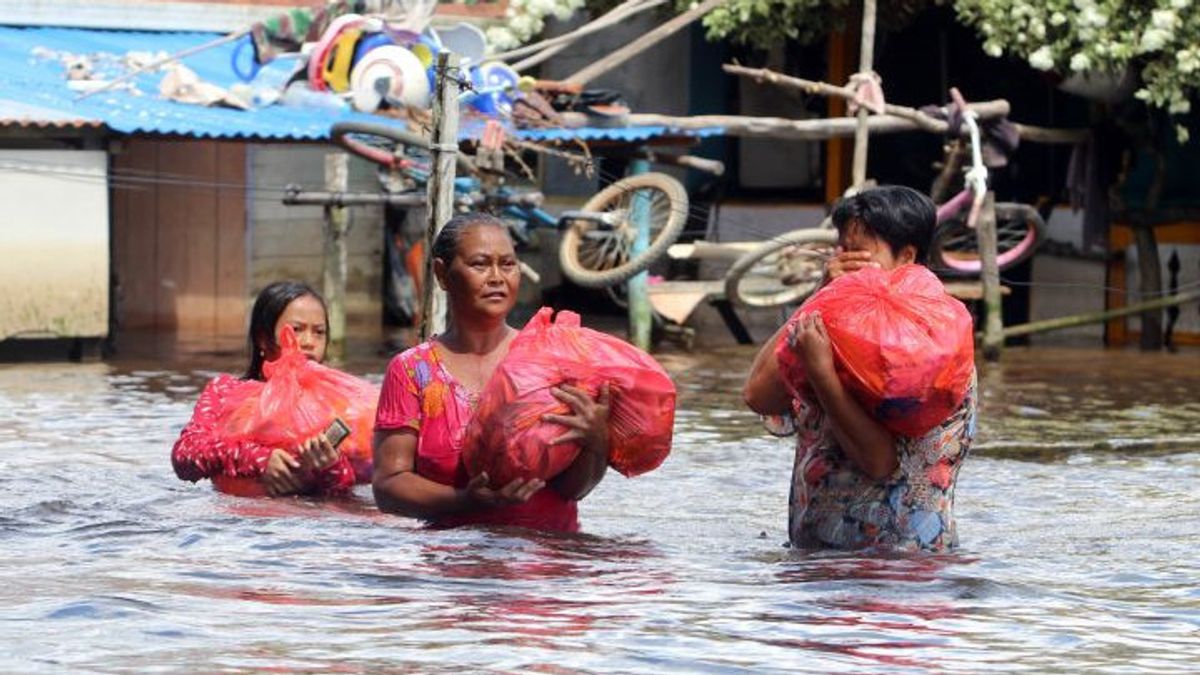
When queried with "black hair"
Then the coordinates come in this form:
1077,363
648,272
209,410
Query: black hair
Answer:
268,306
898,215
445,246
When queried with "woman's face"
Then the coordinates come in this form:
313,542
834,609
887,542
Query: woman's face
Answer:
858,238
483,278
306,316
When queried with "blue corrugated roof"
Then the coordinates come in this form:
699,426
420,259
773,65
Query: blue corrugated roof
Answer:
41,83
35,86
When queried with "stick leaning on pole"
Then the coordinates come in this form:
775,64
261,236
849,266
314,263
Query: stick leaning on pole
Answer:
643,43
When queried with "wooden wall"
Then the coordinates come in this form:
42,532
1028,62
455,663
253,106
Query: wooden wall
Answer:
179,236
286,242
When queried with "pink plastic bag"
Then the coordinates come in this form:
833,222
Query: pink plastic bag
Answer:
507,438
298,400
902,346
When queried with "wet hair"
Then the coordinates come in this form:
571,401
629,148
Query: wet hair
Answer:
445,246
896,214
268,307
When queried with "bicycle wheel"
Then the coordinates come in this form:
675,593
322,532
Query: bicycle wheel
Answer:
783,270
597,254
1020,229
385,145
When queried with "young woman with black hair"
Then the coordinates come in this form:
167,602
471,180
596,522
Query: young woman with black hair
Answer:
314,467
854,483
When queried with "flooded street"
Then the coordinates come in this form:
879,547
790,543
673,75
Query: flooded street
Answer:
1078,516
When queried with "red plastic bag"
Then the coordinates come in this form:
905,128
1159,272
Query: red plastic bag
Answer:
298,400
507,437
902,346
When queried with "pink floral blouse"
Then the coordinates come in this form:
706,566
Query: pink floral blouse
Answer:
419,395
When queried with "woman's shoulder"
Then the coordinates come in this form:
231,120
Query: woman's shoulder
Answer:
417,364
417,353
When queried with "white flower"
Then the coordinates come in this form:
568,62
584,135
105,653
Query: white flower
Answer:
1080,62
1042,59
1058,19
1092,17
992,49
1188,60
1180,106
1181,4
1164,19
1153,40
1181,134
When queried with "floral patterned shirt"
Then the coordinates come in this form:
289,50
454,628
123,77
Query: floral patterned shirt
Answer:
834,505
420,396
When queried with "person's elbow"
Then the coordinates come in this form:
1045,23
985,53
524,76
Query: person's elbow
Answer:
386,499
764,399
880,464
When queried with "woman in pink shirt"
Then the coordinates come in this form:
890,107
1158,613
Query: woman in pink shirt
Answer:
247,468
431,391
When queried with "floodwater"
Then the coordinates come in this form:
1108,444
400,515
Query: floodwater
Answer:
1079,515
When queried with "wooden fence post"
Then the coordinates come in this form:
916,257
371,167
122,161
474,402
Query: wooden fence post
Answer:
337,224
444,145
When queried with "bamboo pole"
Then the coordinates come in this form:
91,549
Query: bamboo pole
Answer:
923,121
333,277
1100,317
804,130
548,48
866,63
644,42
641,314
236,35
985,234
444,146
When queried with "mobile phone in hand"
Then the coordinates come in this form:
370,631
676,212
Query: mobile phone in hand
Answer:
336,432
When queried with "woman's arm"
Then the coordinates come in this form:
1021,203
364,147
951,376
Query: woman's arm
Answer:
867,443
399,489
202,452
764,392
589,425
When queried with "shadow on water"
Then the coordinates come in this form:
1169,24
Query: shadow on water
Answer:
1077,513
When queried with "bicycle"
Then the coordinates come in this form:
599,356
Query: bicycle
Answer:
790,267
596,249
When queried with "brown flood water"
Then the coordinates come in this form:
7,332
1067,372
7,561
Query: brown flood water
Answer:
1077,513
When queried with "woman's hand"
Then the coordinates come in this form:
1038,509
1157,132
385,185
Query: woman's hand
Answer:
317,453
845,262
282,475
811,340
518,491
589,424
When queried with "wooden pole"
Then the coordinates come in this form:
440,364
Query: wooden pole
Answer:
993,327
641,314
548,48
922,121
866,64
644,42
1100,317
444,145
337,224
804,130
